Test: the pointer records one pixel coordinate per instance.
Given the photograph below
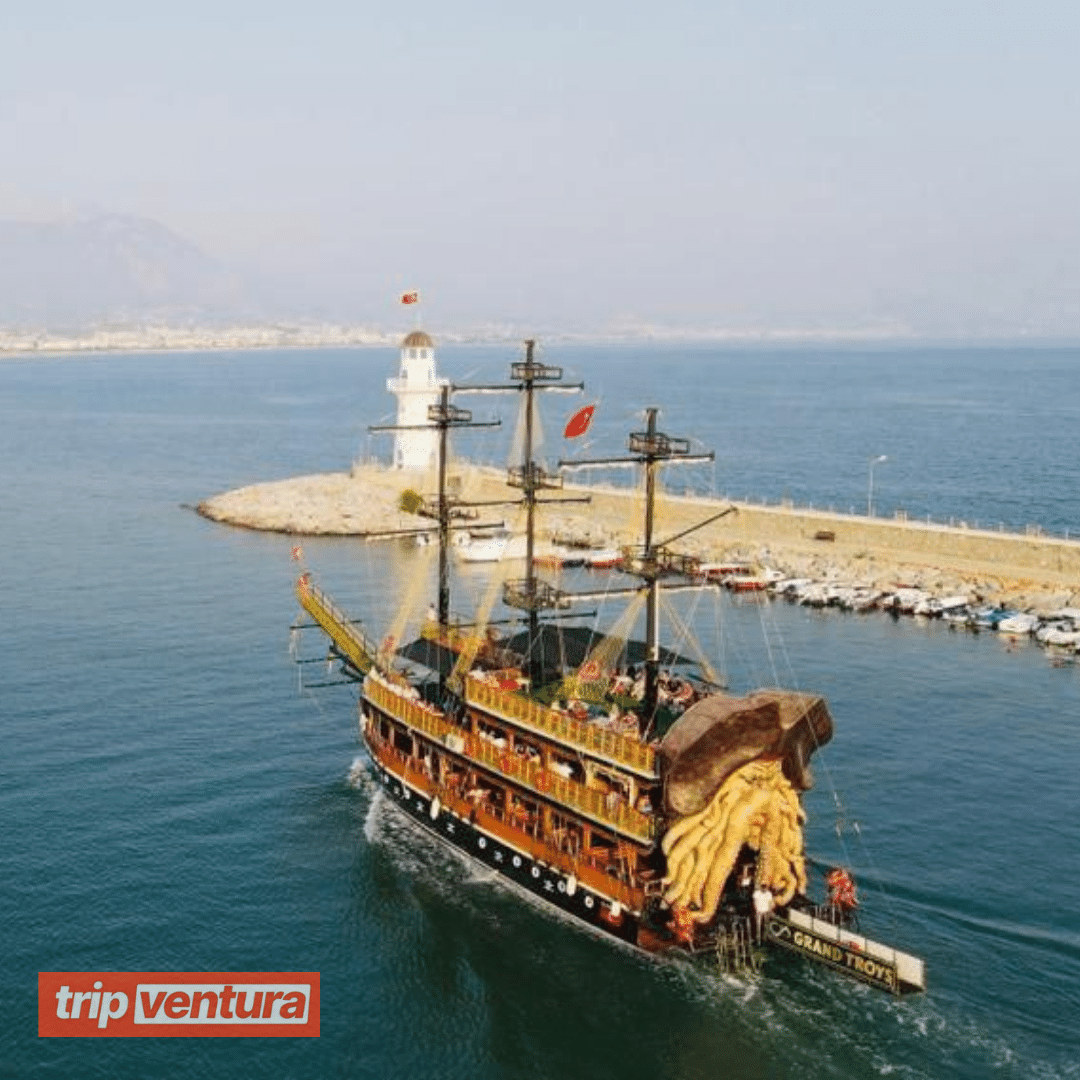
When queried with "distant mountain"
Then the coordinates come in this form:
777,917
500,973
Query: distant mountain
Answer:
109,267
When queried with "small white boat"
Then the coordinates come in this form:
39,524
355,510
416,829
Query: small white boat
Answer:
958,616
604,559
866,599
1019,625
476,547
905,600
936,607
816,596
1058,634
789,587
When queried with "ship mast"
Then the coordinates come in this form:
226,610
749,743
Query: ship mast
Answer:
532,594
445,508
652,561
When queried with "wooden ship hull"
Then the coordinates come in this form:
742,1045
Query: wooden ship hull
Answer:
570,844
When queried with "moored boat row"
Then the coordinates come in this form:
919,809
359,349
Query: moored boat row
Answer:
1058,629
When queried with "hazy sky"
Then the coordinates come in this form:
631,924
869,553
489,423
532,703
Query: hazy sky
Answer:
841,164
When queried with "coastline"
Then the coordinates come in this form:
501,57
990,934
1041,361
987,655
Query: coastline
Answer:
1008,569
19,342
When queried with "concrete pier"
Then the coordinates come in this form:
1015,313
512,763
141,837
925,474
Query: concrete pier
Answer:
1027,571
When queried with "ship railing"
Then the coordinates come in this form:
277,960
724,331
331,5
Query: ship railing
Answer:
601,807
595,804
613,745
613,882
349,639
417,714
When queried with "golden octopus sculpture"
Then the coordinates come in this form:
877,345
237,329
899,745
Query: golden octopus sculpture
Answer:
755,806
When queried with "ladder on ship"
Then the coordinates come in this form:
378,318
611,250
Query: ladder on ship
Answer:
735,952
354,647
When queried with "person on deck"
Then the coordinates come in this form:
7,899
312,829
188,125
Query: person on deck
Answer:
763,905
843,897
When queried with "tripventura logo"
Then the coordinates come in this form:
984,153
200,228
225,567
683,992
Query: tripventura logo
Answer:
186,1003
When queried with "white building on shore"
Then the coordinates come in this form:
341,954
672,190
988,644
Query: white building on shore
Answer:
416,387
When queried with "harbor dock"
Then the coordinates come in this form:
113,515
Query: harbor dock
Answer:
1020,570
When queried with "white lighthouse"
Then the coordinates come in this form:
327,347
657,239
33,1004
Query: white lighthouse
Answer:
415,388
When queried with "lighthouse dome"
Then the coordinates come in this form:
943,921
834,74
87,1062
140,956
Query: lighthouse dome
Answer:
417,340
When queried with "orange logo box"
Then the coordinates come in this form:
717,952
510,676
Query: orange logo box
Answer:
130,1004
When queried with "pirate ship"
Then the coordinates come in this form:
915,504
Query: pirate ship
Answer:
598,772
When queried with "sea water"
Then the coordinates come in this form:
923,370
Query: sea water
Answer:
171,800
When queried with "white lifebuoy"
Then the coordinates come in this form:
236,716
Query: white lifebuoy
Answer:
517,862
536,871
434,809
589,902
481,843
571,885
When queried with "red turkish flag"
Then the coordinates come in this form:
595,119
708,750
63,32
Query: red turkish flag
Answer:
410,297
579,423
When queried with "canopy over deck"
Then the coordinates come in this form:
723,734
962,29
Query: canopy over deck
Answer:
719,734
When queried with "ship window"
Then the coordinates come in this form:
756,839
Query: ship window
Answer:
403,741
567,768
523,813
604,854
567,835
647,800
490,733
600,843
524,748
384,728
455,777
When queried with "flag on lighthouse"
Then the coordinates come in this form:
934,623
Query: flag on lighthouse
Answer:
412,297
579,423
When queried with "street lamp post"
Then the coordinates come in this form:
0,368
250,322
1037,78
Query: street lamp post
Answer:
870,490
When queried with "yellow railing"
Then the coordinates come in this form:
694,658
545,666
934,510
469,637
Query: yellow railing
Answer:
412,712
569,793
350,641
610,744
530,774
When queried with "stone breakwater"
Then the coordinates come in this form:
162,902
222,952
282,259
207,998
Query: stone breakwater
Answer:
1007,568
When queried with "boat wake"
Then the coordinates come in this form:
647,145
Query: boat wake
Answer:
766,1009
359,775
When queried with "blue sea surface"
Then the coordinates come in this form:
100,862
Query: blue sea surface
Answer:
172,800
